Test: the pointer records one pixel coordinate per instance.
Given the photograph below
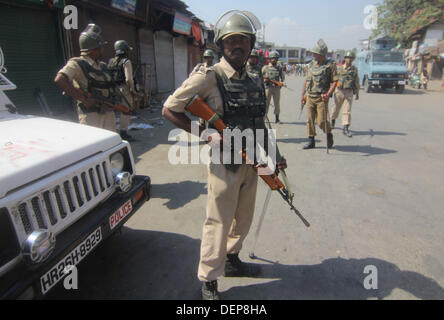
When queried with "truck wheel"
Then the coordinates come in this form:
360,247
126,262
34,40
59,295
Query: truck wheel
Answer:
367,86
400,89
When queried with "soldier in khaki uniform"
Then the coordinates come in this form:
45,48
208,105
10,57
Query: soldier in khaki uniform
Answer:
208,57
231,188
318,88
122,70
348,85
253,64
273,71
91,75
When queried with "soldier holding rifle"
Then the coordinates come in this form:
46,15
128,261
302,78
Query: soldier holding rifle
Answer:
238,98
91,76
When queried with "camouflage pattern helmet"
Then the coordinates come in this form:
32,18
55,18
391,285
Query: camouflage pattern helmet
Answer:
236,22
121,47
320,48
254,53
91,39
209,53
350,54
274,54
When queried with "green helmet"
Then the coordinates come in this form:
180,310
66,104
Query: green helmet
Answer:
274,54
254,53
121,47
350,54
236,22
209,53
320,48
91,39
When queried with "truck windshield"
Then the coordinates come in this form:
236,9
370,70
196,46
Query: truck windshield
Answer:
387,57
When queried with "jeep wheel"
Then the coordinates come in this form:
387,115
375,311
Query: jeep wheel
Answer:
400,89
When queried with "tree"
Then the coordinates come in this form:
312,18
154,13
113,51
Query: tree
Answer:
399,18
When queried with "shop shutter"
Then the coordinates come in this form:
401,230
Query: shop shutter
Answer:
33,54
180,60
163,47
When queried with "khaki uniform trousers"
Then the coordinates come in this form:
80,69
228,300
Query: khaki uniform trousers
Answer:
230,208
343,98
317,109
105,120
125,119
275,93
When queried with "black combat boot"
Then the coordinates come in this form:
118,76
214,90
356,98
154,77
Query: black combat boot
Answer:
347,132
125,136
333,121
209,291
330,140
234,267
311,144
277,119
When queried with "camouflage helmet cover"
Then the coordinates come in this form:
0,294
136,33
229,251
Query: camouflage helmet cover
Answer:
91,39
209,53
320,48
121,47
236,22
274,54
350,54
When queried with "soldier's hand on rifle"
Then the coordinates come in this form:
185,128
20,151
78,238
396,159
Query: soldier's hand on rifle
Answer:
89,102
303,101
281,164
325,97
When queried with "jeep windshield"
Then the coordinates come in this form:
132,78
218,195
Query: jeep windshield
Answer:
379,57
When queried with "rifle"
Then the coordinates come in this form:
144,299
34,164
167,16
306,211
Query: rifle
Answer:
278,83
302,109
199,108
115,106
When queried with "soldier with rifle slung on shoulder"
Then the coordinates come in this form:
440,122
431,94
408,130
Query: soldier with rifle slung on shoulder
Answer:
88,80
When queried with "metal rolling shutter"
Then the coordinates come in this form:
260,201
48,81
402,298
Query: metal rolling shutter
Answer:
180,60
163,47
33,55
147,56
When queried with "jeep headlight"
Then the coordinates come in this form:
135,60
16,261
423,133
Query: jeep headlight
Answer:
117,162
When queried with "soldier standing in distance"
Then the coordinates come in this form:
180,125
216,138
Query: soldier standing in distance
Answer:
348,85
91,75
208,57
239,99
273,71
253,64
318,87
122,70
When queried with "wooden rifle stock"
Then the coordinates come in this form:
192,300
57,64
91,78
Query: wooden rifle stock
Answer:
115,106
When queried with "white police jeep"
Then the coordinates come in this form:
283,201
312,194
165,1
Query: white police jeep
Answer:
64,188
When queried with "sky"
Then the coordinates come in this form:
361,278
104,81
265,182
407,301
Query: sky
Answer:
298,23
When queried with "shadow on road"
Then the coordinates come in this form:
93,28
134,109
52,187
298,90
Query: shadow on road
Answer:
366,150
162,266
189,190
372,133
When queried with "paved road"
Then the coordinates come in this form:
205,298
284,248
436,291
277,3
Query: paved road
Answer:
376,199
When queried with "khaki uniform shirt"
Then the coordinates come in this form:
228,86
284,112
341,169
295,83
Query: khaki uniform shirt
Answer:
74,72
202,82
332,76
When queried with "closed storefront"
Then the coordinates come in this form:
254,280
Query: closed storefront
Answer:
146,41
164,53
180,60
30,37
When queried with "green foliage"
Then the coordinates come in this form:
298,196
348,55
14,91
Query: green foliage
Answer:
397,18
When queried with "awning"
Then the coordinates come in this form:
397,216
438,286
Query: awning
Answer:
197,33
